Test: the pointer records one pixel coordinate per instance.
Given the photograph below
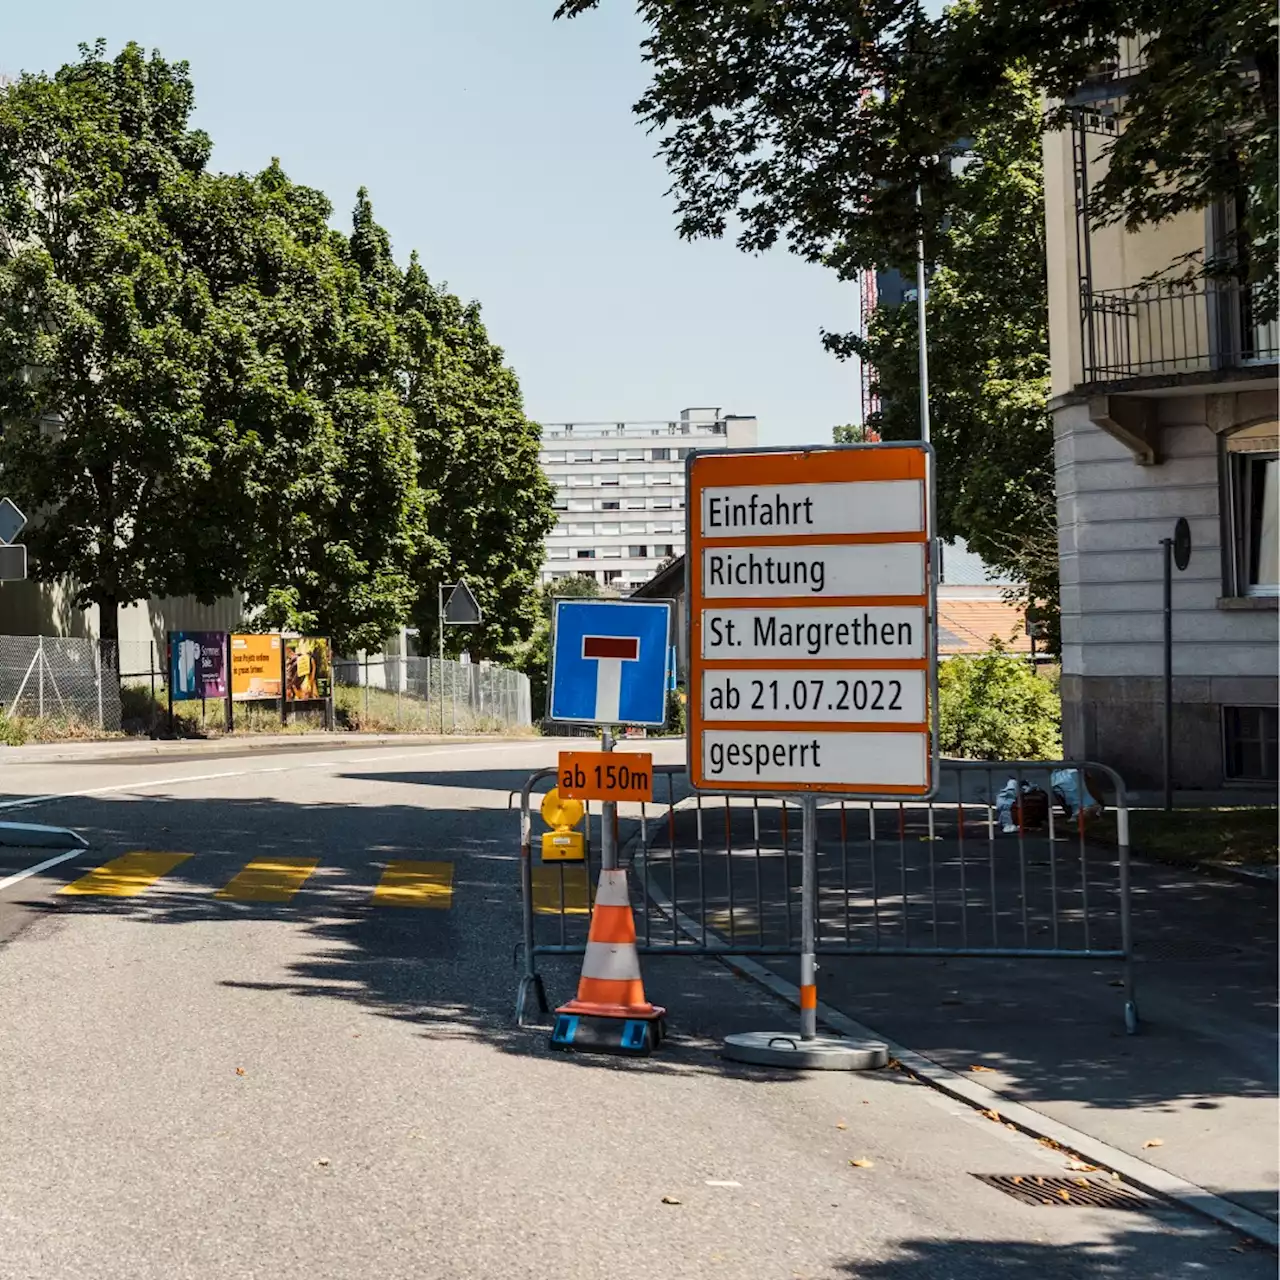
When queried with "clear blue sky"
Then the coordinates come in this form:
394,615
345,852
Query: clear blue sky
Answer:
502,146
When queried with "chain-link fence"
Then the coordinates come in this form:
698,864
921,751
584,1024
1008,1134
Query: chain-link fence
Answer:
71,682
424,694
75,683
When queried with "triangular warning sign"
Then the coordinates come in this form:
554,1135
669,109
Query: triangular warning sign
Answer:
461,609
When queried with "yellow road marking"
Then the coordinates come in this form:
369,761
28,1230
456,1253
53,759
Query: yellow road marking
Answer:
269,880
546,888
416,884
124,876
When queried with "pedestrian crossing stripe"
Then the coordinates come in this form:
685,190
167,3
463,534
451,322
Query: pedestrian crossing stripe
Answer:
403,882
126,876
269,880
552,879
406,883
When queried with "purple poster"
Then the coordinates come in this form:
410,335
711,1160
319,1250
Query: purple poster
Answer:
198,664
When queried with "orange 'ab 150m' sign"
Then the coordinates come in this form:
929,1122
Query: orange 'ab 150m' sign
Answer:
601,775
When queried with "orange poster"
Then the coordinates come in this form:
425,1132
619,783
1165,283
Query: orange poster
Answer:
255,667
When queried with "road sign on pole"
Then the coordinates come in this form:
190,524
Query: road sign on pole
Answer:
13,559
608,662
812,659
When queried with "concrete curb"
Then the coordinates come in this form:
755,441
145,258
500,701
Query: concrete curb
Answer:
32,835
204,748
1138,1173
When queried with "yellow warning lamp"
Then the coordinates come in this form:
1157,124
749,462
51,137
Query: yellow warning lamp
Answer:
561,844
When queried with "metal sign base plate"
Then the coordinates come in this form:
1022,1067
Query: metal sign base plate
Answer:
782,1049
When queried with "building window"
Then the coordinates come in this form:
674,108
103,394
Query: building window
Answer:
607,455
607,529
662,504
610,506
664,549
586,554
633,455
612,575
611,553
588,573
1253,489
634,504
580,482
580,504
633,528
560,504
662,528
682,454
1249,743
606,480
637,553
553,457
660,477
557,553
660,455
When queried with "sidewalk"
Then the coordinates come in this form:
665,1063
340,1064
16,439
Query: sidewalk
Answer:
118,750
1193,1093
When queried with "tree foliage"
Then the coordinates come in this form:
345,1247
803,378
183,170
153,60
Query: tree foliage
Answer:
204,386
813,122
988,356
997,707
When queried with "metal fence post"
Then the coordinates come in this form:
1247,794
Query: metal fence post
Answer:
97,662
808,917
1126,921
40,664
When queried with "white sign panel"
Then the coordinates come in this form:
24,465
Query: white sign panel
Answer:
873,631
752,511
765,758
861,569
823,695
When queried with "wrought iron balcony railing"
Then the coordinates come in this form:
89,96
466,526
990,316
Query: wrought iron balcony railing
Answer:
1174,327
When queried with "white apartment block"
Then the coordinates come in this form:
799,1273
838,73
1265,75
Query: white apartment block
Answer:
620,496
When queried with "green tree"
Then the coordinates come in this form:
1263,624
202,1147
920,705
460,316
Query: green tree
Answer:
854,433
996,707
815,123
489,503
106,333
988,356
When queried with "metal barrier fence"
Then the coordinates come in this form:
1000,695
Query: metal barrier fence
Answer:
60,679
967,874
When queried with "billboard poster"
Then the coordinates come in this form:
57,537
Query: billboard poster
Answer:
308,673
255,667
197,664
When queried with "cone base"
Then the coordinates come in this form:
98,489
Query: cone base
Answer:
630,1033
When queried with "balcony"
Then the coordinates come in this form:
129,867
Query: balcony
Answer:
1173,330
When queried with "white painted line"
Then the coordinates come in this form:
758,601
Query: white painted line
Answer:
1146,1177
26,802
39,867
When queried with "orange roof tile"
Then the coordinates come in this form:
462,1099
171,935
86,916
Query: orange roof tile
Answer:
966,627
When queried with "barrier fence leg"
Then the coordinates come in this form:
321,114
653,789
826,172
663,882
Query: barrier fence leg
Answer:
531,980
808,1051
1126,920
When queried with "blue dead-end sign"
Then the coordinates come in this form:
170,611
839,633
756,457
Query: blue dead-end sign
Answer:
609,662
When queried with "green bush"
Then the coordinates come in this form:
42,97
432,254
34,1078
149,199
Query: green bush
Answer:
676,713
997,707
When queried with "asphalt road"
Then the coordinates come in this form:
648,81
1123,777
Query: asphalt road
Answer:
268,1034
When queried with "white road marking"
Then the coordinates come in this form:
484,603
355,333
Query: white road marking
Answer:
26,802
39,867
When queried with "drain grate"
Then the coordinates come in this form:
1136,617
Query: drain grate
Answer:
1082,1193
1186,949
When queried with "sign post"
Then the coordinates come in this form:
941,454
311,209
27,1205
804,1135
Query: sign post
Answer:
1177,550
460,610
812,657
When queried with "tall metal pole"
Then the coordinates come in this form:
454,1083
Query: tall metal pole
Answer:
920,320
440,628
1167,545
608,817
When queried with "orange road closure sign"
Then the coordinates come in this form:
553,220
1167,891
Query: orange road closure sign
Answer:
811,630
606,775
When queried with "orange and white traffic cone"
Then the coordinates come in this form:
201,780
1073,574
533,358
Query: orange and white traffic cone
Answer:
610,1013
